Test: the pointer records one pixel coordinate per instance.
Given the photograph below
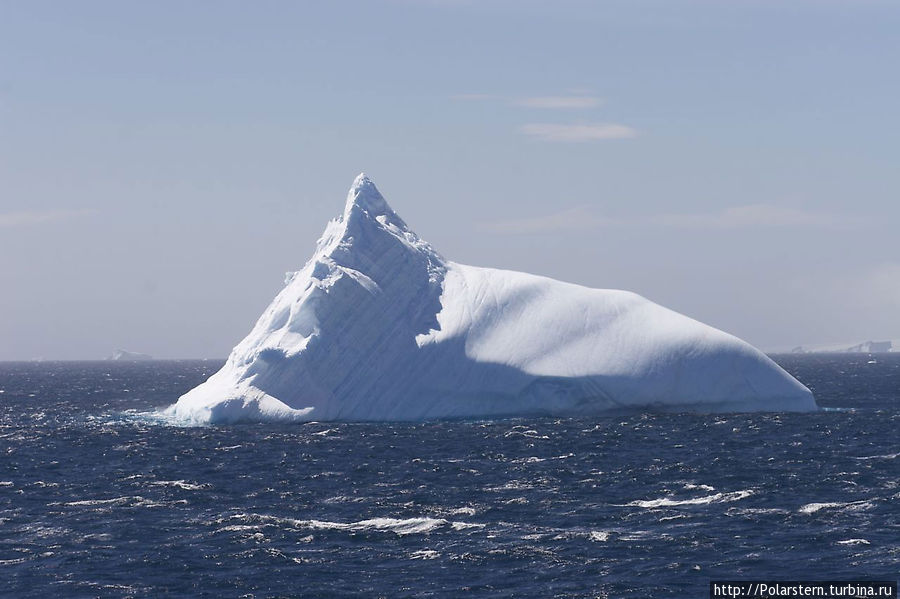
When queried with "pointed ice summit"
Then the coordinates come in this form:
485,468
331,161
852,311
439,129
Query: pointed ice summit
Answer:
379,326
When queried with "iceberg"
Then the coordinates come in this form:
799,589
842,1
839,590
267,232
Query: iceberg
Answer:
129,356
378,326
866,347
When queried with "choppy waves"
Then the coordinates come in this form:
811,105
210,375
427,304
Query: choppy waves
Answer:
99,499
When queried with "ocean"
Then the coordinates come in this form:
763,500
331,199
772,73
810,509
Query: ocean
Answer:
100,498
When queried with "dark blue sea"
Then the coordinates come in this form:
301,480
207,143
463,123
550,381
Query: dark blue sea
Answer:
100,499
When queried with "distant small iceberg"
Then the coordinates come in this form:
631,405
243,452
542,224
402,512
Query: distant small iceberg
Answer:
121,355
866,347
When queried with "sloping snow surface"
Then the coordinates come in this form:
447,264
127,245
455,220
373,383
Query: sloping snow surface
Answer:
379,326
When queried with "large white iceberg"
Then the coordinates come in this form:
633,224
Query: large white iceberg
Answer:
379,326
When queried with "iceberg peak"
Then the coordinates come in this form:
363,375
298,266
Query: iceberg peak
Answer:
361,180
364,196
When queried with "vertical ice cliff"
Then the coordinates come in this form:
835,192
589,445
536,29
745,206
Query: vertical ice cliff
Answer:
378,326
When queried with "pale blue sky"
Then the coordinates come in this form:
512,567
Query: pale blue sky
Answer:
163,163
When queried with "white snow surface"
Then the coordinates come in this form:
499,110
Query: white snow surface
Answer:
379,326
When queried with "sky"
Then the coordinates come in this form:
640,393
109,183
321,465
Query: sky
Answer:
163,164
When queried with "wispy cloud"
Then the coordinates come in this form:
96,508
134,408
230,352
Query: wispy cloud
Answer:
555,132
21,219
739,217
577,133
559,102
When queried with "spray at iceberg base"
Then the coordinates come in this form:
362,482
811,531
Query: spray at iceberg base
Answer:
379,326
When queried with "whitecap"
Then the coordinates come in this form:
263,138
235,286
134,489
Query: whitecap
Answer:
180,484
325,433
14,561
714,498
513,485
668,518
643,535
113,501
888,456
853,542
529,433
759,511
237,528
466,525
345,499
692,486
812,508
400,526
151,503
